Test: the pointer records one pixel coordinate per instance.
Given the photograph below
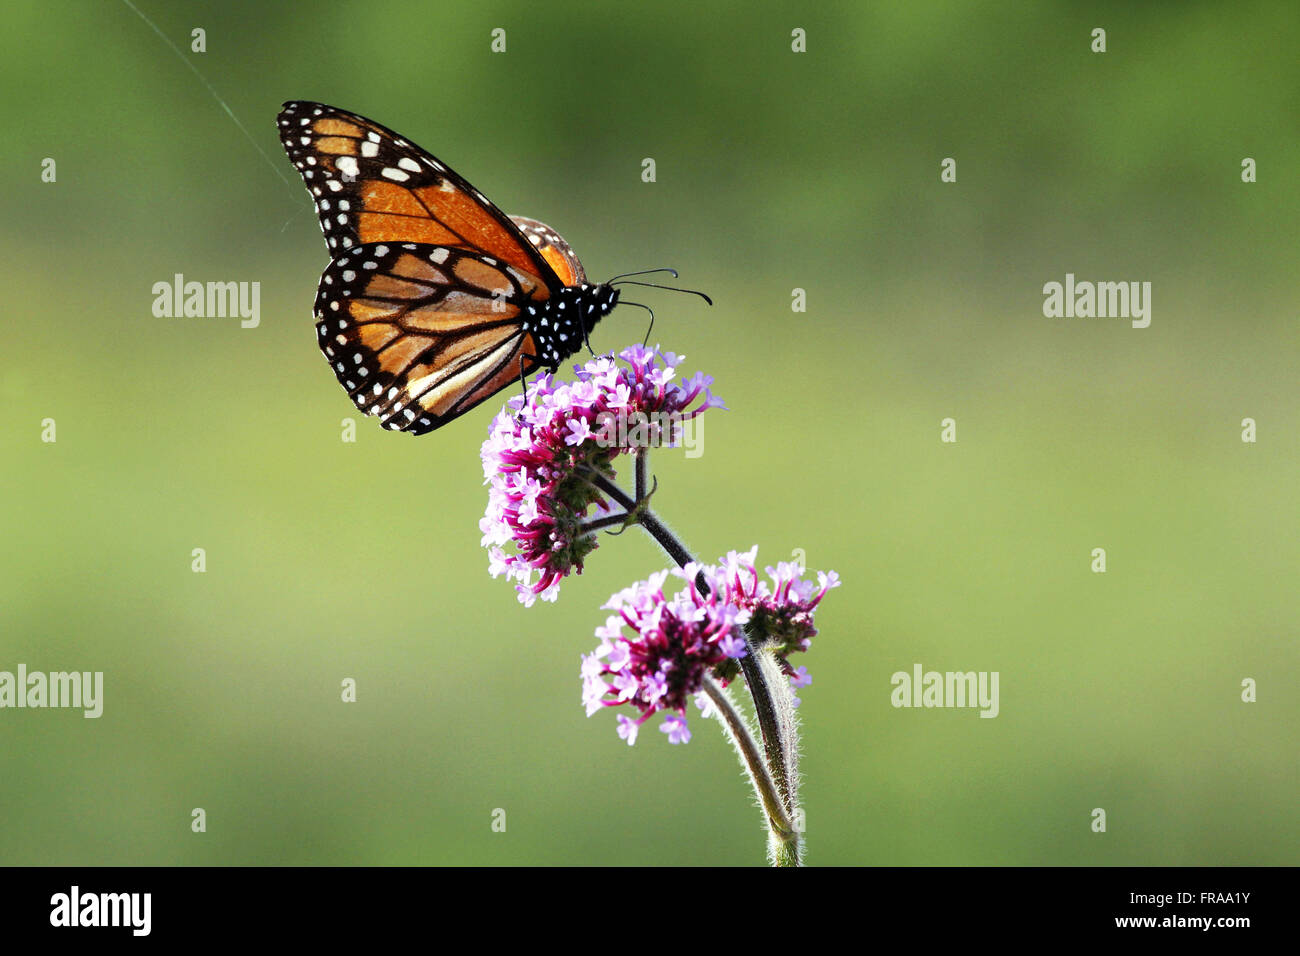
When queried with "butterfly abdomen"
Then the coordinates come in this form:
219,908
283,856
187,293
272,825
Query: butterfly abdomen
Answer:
560,325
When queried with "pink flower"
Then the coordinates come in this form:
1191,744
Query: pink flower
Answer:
542,456
674,644
677,642
781,610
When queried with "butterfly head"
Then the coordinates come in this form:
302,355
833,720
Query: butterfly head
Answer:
608,296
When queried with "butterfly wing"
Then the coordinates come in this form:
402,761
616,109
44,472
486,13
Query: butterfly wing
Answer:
419,334
550,245
418,313
371,185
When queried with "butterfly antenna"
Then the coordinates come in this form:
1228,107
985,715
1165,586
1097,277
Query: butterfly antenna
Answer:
643,272
655,285
646,340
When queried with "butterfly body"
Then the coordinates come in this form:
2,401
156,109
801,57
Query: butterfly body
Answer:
434,299
560,325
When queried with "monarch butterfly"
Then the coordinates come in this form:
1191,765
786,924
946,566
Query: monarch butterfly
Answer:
434,300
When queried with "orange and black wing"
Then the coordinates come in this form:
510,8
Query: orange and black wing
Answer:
419,334
371,185
550,245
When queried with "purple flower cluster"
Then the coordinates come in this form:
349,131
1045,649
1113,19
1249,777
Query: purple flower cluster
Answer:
781,612
677,642
545,455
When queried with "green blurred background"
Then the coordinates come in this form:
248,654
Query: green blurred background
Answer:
776,170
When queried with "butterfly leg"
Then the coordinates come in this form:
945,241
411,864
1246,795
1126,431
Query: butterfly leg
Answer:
523,382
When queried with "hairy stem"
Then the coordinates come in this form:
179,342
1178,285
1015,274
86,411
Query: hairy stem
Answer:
642,462
765,711
782,830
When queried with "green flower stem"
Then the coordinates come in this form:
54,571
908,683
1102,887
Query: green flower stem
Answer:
768,722
609,521
638,511
783,840
642,460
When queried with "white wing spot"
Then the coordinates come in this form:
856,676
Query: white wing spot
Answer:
347,165
388,172
406,162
